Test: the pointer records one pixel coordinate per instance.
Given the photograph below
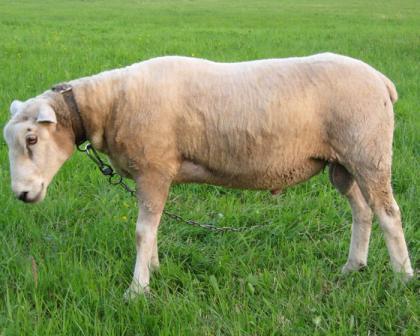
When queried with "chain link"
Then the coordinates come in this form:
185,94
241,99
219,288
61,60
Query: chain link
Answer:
116,179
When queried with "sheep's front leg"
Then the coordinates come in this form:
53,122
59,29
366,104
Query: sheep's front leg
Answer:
154,262
153,190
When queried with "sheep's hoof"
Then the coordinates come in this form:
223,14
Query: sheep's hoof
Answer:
154,266
135,290
409,276
353,266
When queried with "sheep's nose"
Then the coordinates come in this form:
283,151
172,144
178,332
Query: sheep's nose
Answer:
23,196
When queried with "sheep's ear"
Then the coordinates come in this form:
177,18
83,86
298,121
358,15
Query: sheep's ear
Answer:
15,107
47,115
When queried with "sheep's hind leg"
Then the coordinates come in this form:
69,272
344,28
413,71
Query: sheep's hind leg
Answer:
362,217
379,193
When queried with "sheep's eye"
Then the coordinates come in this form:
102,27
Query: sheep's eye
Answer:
31,140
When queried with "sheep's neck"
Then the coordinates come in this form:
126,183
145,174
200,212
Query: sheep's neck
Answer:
97,98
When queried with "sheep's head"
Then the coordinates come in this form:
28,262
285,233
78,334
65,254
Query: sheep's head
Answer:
38,147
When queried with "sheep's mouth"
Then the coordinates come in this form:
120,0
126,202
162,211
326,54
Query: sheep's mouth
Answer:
38,197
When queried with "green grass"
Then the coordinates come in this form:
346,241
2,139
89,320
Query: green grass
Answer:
280,280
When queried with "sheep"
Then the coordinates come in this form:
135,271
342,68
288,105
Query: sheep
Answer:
263,125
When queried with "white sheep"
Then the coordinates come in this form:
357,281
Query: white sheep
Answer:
264,124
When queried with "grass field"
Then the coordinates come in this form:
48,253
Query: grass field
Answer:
283,279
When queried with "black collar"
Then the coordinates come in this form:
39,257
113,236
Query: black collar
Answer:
66,90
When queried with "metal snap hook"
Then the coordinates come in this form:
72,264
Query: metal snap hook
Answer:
107,170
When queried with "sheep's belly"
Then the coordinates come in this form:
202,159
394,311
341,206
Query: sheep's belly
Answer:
273,178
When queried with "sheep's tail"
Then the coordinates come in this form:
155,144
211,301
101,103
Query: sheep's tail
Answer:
393,95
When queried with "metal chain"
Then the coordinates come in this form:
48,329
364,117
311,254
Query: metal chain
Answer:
106,170
116,179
